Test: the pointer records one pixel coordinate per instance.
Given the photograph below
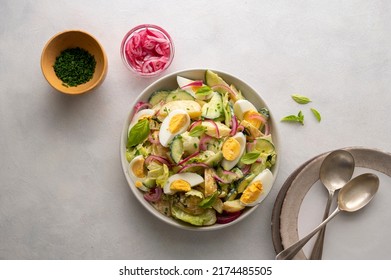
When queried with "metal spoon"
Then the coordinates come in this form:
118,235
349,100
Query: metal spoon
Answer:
357,193
336,170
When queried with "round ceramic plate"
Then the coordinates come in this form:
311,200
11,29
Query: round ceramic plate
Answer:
300,204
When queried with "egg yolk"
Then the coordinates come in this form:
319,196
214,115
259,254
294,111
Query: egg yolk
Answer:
254,118
177,122
231,149
138,168
180,185
252,192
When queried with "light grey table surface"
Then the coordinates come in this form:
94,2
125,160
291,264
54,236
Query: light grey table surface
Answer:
63,194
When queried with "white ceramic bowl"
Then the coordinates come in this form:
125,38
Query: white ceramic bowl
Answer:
169,82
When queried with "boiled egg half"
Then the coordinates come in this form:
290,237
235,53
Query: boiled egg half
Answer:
176,122
233,149
245,110
137,171
182,182
258,188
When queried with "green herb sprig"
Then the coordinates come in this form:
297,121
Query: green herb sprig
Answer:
293,118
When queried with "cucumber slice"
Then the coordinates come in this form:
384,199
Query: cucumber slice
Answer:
264,146
179,95
245,182
214,108
158,96
214,159
208,217
213,79
149,183
176,148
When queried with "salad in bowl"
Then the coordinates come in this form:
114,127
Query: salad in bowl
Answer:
198,149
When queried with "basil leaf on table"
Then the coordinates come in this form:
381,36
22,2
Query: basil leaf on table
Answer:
138,133
301,99
316,114
293,118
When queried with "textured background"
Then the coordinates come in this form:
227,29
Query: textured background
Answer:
62,191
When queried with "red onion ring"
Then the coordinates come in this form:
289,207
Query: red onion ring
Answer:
187,158
204,141
194,124
234,126
197,83
153,140
153,195
246,169
258,117
216,127
227,88
221,180
141,105
158,159
196,164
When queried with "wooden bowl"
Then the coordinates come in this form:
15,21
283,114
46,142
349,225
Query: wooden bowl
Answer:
73,39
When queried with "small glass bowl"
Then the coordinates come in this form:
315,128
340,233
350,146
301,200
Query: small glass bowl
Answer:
147,59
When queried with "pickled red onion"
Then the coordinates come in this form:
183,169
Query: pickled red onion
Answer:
204,141
234,126
153,140
148,51
216,127
196,164
153,195
189,157
194,124
141,105
227,88
197,83
157,158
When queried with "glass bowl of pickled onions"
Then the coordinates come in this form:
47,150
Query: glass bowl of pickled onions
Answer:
147,50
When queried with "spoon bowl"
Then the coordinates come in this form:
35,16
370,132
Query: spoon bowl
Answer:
356,194
336,170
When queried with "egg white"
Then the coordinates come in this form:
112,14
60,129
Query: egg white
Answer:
183,82
266,177
229,164
165,136
139,115
192,178
241,107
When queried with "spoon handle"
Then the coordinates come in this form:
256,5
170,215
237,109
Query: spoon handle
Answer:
291,251
317,250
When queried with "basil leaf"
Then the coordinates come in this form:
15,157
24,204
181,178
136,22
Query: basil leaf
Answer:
138,133
316,114
203,91
292,118
250,158
209,201
197,131
301,99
